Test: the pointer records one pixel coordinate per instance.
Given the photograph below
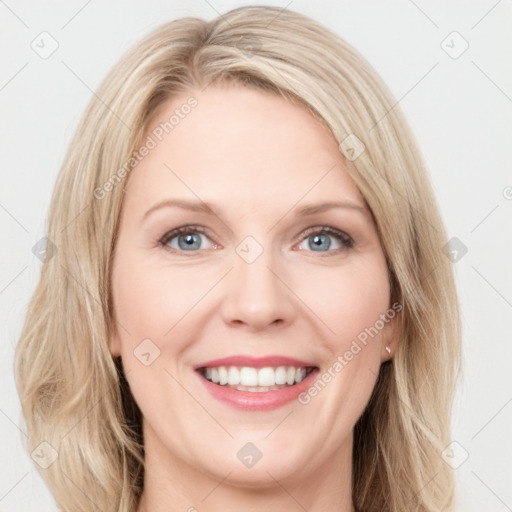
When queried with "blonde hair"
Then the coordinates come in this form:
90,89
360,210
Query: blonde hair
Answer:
73,393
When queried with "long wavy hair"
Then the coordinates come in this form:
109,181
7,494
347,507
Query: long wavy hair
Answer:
74,394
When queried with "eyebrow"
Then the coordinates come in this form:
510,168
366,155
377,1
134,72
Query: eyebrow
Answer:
201,206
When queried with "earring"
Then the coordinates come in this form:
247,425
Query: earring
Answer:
388,350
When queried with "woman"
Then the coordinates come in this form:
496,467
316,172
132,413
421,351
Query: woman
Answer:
248,306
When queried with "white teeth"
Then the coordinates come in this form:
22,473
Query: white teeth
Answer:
247,378
290,376
300,374
259,389
266,377
280,375
233,376
223,375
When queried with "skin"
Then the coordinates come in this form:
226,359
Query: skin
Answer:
257,159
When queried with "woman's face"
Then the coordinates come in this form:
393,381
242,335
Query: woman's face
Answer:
276,283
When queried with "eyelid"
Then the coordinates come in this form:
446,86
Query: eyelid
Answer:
329,230
346,240
169,235
183,230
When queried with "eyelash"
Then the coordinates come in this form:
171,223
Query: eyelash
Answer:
346,241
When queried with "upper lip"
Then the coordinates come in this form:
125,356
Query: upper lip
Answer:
255,362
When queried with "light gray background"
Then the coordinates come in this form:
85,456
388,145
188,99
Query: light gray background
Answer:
459,110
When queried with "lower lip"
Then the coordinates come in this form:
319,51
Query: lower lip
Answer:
258,401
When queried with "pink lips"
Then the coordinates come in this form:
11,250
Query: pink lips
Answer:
255,362
256,401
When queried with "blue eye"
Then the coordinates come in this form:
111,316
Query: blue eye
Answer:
319,242
325,239
185,239
322,239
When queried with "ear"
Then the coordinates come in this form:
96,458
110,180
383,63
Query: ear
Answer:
391,337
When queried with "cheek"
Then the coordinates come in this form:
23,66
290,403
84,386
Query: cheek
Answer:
350,302
151,304
349,299
150,299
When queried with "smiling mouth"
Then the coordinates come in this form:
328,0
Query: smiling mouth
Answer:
257,380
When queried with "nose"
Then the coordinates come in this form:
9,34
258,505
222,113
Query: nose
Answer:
257,297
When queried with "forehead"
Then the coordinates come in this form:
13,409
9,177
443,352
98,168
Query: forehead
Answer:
243,143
